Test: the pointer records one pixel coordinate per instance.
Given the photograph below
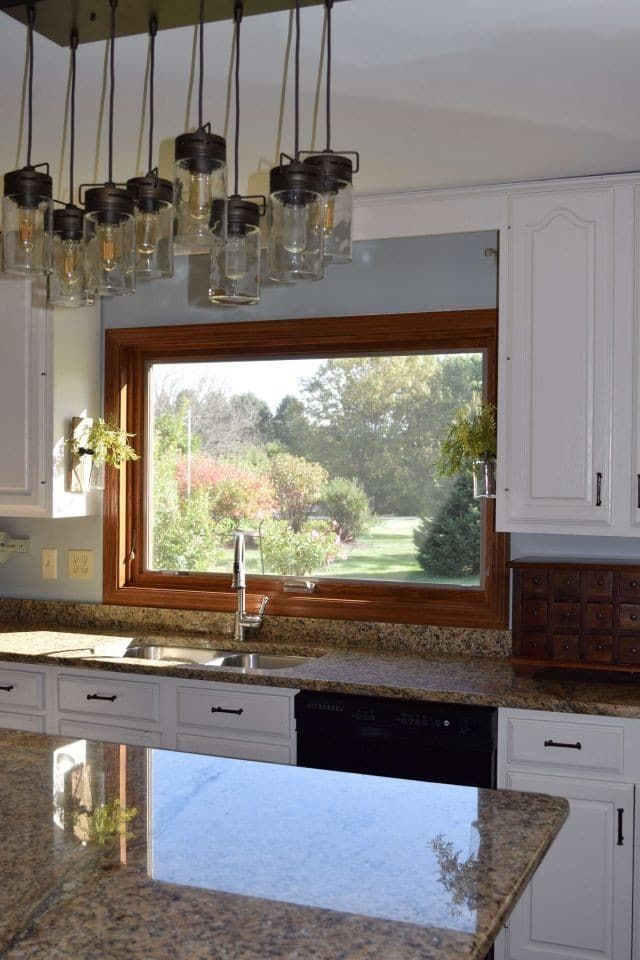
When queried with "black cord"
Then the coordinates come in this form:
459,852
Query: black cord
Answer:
72,118
329,5
296,150
112,83
153,29
31,19
237,16
201,79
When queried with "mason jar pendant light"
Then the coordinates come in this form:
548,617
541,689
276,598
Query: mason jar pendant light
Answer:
109,225
234,278
295,242
67,284
200,172
153,199
27,204
336,170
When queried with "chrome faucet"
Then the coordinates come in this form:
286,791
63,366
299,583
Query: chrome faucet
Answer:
249,622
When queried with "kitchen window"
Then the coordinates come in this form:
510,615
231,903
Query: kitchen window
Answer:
317,439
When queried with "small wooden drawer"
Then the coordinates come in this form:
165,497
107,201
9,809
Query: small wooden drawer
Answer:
630,650
234,712
629,616
21,688
565,615
566,583
106,697
565,646
535,583
598,616
534,645
534,613
565,743
598,650
629,585
598,584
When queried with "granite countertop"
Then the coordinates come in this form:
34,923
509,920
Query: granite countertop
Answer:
122,852
469,680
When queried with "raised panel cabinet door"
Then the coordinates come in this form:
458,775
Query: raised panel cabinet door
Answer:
579,903
22,399
558,374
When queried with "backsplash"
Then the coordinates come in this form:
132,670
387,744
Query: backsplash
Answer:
395,637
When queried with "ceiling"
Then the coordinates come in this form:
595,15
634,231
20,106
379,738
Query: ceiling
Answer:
433,95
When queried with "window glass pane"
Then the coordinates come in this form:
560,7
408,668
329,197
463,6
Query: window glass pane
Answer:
327,465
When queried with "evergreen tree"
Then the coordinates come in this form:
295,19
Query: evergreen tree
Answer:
449,544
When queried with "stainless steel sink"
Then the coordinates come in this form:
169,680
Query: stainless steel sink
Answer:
205,657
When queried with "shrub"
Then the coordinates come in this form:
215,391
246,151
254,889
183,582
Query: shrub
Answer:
297,486
449,545
234,491
288,552
348,506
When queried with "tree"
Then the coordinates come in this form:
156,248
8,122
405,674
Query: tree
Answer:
449,545
297,486
347,505
291,427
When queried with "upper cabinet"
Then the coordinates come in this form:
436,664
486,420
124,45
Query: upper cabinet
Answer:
49,372
568,348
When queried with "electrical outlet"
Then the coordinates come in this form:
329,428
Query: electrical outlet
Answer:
80,564
49,563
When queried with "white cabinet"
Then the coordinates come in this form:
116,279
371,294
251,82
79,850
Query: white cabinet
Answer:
556,377
23,698
579,904
49,372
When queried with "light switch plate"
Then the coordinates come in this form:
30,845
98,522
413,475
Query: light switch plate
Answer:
80,564
49,557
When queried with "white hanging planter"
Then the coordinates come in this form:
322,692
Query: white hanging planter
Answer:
484,479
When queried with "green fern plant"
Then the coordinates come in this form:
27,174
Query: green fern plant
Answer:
471,436
106,443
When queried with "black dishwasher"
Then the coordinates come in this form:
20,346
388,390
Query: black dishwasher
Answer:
410,739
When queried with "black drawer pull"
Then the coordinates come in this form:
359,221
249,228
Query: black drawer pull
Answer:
98,696
600,581
633,617
224,710
599,615
536,581
598,489
638,476
620,836
569,746
633,584
633,649
8,689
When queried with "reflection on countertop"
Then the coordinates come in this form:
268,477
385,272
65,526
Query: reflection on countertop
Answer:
114,851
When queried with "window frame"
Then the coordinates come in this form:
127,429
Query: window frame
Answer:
129,351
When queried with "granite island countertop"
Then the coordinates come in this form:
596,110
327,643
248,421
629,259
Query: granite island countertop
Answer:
124,853
469,680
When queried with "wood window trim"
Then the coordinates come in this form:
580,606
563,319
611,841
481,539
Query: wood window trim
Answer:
127,355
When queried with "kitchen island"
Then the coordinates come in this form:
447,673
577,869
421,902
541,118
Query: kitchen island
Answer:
117,852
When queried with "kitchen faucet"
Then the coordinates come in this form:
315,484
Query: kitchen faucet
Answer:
250,622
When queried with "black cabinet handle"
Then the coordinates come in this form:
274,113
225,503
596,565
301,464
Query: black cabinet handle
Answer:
224,710
620,836
8,689
569,746
598,489
638,476
97,696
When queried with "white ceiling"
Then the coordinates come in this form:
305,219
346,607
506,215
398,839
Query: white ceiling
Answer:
432,94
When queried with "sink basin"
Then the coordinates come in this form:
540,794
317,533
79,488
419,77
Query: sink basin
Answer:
205,657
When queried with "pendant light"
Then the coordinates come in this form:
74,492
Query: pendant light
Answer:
67,285
153,199
27,204
337,172
200,172
235,254
295,242
109,227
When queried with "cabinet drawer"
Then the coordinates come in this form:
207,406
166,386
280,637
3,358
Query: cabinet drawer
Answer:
598,616
21,688
565,615
22,721
232,712
535,583
629,616
110,733
242,749
555,743
98,696
566,583
598,584
598,650
630,650
629,585
565,646
534,613
534,645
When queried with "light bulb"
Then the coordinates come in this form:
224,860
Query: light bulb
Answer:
108,248
329,214
235,258
26,228
294,238
147,228
70,263
199,196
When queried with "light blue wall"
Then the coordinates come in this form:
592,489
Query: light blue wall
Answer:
387,276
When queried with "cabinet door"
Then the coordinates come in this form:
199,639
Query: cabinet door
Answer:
557,368
22,400
578,904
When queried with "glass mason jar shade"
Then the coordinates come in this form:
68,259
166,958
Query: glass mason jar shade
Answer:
201,179
337,190
295,242
154,216
234,278
109,236
27,209
68,285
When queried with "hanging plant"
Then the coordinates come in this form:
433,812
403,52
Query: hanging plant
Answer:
106,442
470,444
